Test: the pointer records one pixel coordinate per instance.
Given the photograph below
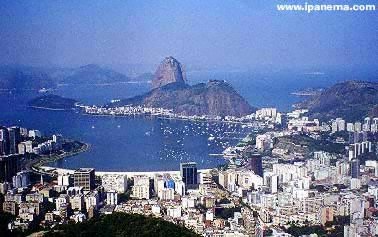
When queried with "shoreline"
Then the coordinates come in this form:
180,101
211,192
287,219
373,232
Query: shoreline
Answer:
39,166
129,174
52,109
104,84
171,118
36,165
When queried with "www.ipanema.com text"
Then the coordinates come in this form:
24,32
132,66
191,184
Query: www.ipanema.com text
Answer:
307,7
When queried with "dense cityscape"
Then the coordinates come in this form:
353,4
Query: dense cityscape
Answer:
188,118
268,187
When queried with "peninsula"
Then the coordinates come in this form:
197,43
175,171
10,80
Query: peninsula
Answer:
170,91
52,102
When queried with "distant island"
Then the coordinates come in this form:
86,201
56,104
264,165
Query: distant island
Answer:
351,100
23,78
91,74
52,102
170,91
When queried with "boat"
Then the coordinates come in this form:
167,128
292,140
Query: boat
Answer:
43,90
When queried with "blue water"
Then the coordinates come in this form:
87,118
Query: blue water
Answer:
145,144
123,143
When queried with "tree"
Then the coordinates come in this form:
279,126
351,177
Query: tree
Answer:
122,224
5,218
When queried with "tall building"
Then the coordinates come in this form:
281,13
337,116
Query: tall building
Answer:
10,207
62,199
4,141
158,184
141,188
112,197
188,173
254,163
92,199
271,181
326,214
350,127
85,177
334,126
375,121
374,128
9,166
14,139
263,142
21,179
114,182
34,134
77,202
168,181
21,148
179,185
167,194
64,180
357,127
367,121
340,124
24,132
355,168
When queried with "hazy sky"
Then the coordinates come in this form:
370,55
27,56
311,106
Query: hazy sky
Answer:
245,33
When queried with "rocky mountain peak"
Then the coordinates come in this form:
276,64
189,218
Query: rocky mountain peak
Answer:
169,71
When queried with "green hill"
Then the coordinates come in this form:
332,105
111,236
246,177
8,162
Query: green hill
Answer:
122,224
52,102
306,145
351,100
216,98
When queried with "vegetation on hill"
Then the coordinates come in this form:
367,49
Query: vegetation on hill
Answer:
5,218
304,144
332,229
122,224
226,213
297,230
351,100
216,98
53,102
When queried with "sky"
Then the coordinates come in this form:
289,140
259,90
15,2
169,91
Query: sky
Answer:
200,33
